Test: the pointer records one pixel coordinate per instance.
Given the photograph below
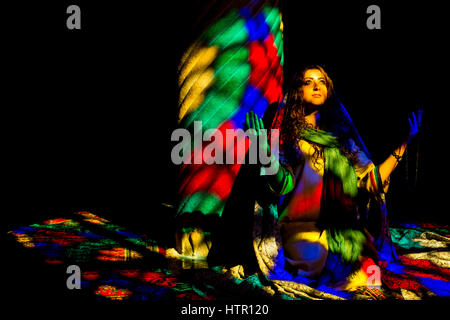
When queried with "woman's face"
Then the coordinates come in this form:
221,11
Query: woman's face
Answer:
315,91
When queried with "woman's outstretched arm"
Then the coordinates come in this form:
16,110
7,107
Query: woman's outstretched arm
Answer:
388,166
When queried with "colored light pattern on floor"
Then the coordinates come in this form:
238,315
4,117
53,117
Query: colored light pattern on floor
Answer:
113,293
423,271
118,254
234,67
65,241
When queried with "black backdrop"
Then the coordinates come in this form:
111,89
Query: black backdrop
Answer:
87,114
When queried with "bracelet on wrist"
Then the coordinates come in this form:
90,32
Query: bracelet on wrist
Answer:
396,156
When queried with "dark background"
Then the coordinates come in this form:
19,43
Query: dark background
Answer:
87,114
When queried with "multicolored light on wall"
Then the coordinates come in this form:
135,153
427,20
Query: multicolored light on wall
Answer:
235,66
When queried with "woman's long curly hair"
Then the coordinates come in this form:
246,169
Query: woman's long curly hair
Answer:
331,120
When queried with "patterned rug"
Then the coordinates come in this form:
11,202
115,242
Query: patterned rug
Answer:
118,265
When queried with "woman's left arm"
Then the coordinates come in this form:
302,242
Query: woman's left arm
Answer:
388,166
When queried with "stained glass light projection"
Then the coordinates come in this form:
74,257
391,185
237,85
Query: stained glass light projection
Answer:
234,67
118,265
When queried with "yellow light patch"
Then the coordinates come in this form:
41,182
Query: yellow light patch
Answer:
22,238
197,61
192,93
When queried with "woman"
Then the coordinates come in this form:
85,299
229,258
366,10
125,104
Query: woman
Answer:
326,178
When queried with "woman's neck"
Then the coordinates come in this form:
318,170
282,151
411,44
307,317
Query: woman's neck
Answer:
313,118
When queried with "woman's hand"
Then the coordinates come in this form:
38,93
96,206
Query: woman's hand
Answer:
256,125
391,162
415,124
252,121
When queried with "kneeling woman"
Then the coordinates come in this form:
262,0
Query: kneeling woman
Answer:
325,179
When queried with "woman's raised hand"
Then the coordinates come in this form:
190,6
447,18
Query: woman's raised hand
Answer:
415,124
252,121
256,126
